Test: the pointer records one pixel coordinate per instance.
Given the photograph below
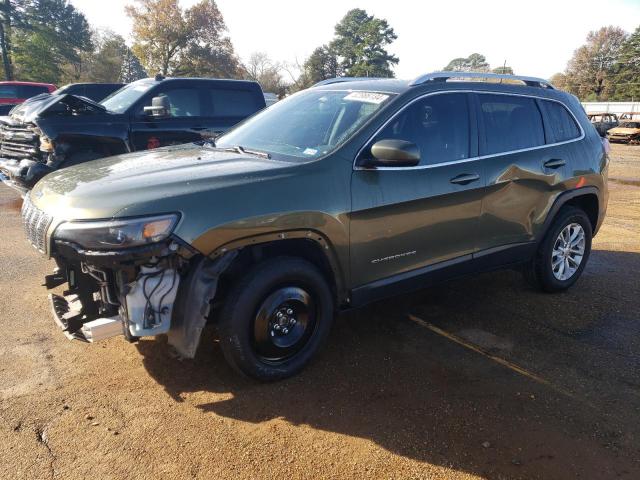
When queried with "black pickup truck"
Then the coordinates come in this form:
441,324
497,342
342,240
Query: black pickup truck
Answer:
66,130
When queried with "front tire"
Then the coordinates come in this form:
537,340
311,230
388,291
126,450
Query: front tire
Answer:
276,318
563,253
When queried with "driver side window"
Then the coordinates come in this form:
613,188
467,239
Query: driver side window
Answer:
438,124
183,102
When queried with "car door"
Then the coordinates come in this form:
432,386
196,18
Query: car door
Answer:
525,162
184,122
405,219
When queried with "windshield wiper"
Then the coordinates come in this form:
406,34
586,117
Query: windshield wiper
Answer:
240,149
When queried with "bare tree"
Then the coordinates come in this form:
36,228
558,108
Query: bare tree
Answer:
266,72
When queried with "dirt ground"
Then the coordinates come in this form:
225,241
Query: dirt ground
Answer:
478,378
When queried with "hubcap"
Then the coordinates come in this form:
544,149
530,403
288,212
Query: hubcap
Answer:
568,252
283,323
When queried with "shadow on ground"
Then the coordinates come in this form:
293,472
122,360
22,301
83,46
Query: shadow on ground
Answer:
421,395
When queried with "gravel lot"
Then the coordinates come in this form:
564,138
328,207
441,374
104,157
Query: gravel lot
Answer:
478,378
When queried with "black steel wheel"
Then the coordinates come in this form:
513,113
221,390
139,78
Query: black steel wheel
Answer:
283,323
276,318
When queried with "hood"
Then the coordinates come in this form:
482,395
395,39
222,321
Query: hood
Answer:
45,103
103,188
623,131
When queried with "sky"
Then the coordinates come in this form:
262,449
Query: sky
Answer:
535,38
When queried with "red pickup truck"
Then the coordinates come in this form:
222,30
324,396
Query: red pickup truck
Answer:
14,93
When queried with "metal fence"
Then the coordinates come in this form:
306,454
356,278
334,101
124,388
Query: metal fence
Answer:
611,107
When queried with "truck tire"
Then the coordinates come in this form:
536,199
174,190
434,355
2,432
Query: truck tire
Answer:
276,318
563,253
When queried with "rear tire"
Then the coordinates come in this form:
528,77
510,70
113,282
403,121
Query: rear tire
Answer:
276,318
563,253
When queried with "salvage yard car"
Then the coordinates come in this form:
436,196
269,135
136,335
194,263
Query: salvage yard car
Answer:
65,130
337,196
627,132
603,122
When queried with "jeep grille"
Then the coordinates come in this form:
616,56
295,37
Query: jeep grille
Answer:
36,224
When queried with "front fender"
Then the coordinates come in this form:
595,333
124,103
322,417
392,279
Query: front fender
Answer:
329,233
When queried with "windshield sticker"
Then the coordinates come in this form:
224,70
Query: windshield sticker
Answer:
310,151
368,97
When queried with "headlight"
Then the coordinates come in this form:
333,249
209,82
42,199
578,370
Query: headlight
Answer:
115,234
46,145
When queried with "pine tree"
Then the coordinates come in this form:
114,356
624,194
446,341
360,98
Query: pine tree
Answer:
627,77
131,69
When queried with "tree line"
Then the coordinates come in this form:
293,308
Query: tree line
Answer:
51,41
606,67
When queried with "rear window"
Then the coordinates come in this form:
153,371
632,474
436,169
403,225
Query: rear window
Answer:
98,92
561,126
233,103
28,91
510,123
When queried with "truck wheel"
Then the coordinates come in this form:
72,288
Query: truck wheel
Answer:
276,318
563,253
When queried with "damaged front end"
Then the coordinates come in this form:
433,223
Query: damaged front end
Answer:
128,277
27,153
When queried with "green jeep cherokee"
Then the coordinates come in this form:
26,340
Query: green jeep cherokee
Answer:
340,195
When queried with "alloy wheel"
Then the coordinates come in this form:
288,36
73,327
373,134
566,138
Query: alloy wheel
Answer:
568,251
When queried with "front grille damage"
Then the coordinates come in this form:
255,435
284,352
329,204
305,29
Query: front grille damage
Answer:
19,141
22,162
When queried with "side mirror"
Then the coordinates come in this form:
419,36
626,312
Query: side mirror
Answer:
394,153
160,107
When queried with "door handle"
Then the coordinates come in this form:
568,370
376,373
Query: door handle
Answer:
554,163
198,129
465,178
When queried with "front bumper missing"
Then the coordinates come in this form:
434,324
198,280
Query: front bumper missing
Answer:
181,306
66,312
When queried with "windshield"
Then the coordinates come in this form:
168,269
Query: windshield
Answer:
61,90
306,125
120,100
630,125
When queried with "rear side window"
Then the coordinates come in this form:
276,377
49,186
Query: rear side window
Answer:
233,103
8,91
510,123
561,126
437,124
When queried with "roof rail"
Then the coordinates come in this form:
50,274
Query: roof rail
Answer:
444,76
329,81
